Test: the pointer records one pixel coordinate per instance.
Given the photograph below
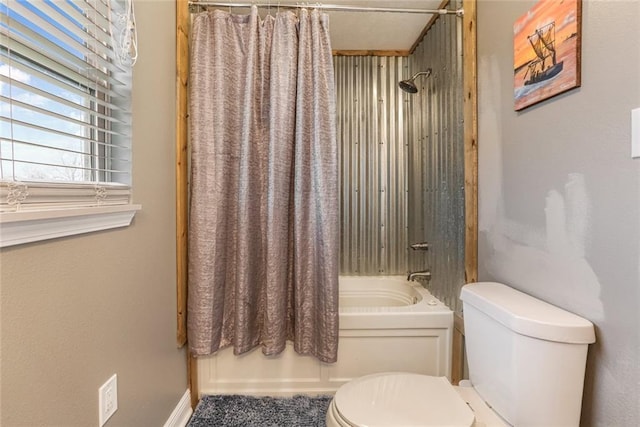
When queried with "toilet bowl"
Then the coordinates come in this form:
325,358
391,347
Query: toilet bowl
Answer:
394,399
506,332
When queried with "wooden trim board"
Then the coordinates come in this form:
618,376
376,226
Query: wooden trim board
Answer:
183,19
457,353
469,38
182,81
370,53
470,140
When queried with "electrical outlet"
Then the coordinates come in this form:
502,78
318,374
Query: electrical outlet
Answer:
635,133
107,399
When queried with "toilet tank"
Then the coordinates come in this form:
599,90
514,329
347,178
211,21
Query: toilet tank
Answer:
526,357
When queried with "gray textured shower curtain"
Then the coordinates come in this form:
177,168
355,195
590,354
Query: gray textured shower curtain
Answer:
263,228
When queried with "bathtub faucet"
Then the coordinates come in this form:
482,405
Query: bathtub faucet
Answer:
426,274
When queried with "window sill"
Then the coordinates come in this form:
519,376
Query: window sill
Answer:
21,227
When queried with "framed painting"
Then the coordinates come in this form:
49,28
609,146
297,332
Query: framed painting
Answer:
546,51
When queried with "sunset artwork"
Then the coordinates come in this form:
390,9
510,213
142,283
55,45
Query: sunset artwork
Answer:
546,51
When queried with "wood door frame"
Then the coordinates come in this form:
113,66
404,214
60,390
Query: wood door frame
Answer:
470,176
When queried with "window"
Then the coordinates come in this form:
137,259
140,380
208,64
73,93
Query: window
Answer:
65,119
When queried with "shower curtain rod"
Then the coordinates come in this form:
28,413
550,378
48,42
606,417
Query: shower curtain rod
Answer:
195,6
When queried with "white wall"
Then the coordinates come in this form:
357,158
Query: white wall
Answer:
76,310
559,209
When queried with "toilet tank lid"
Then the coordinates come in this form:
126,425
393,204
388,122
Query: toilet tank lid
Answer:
527,315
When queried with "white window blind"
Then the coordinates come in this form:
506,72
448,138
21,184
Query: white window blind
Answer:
65,119
65,91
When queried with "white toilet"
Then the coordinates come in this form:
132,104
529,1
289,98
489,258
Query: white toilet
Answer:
526,366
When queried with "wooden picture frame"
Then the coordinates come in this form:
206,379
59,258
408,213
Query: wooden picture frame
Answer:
547,43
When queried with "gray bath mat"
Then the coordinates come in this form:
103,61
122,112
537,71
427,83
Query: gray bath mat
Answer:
248,411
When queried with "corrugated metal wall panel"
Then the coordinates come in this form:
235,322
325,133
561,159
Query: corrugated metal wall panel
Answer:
372,137
402,162
436,161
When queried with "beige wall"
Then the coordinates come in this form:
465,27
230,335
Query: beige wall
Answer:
559,196
79,309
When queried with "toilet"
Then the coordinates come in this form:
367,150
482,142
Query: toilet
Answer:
526,368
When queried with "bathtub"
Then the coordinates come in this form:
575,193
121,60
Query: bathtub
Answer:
386,324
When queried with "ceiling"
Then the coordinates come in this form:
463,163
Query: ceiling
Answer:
373,30
378,30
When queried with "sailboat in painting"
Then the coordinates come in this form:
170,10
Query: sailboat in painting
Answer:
544,66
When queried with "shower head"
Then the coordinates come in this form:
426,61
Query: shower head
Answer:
409,85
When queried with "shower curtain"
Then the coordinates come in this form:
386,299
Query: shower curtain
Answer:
263,225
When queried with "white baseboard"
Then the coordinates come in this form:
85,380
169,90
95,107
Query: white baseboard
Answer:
181,413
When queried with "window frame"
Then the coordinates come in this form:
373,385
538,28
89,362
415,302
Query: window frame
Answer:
33,211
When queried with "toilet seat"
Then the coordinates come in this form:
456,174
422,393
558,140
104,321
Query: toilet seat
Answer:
394,399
